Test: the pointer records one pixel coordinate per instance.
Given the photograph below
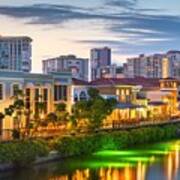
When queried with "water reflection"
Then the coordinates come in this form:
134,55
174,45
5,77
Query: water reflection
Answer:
156,162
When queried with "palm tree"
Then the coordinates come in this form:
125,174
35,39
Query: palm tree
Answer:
9,111
62,114
17,108
52,118
41,109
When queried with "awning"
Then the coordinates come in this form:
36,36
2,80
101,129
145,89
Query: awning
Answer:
127,106
156,103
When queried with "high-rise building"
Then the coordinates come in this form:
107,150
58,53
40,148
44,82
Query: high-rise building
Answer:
174,63
79,67
100,57
15,53
154,66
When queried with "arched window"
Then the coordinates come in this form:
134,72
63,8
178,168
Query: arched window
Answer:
82,96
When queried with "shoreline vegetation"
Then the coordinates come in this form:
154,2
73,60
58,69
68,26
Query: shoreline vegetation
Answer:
26,153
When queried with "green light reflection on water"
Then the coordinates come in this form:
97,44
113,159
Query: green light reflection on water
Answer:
109,164
115,153
125,158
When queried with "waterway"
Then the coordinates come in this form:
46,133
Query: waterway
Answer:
159,161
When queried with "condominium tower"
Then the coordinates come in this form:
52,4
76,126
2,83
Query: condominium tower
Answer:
100,58
154,66
15,53
79,67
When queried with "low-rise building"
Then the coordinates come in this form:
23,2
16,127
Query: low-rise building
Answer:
141,98
49,89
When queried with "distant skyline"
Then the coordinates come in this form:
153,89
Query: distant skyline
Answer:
60,27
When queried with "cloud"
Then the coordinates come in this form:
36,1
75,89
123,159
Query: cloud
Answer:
135,29
47,14
127,4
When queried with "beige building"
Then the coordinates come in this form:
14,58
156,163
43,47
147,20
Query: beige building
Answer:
37,88
140,99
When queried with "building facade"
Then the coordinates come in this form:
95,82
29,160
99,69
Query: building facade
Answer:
15,53
48,89
140,99
79,67
146,66
100,58
174,63
154,66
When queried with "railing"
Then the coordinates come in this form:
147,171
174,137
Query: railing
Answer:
121,126
6,135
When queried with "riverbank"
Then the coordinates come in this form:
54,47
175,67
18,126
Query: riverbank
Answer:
32,152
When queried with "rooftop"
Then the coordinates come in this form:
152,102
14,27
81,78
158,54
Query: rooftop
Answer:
15,38
65,57
173,51
145,82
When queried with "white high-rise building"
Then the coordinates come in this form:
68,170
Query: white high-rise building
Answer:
15,53
79,67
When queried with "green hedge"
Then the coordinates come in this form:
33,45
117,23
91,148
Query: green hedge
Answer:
22,153
115,140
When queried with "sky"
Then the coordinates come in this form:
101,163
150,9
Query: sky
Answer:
60,27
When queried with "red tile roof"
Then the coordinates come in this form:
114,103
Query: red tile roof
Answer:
145,82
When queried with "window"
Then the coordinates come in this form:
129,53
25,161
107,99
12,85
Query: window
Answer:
15,89
64,95
37,94
45,94
60,93
1,91
28,92
28,97
83,96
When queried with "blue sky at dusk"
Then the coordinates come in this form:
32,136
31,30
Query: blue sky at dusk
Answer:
58,27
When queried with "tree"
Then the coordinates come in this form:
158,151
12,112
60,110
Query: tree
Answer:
52,118
18,109
61,107
62,114
41,109
95,109
9,111
93,93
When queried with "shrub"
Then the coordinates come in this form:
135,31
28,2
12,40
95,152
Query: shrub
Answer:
22,153
87,144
